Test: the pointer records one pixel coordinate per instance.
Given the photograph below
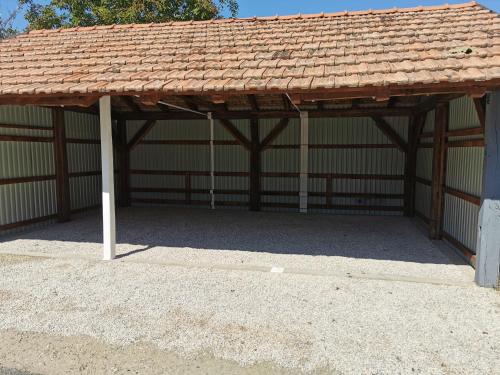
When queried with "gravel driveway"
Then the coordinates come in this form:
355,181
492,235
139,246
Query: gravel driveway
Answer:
357,295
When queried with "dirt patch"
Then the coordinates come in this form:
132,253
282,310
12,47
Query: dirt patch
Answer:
47,354
10,259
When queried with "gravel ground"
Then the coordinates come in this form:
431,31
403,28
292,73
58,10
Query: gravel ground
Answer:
330,322
382,246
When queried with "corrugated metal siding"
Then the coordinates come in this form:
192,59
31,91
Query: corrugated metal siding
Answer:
281,161
424,170
463,114
385,161
171,157
85,191
464,173
25,201
234,158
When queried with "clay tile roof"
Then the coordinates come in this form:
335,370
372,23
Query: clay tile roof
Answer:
413,46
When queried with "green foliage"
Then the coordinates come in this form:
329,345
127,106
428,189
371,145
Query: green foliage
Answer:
72,13
6,29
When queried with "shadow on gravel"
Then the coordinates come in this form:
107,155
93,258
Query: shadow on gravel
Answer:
13,371
355,236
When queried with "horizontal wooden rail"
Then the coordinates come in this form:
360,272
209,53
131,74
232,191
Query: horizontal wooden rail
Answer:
25,138
22,180
423,217
84,174
336,146
83,141
25,127
466,143
423,181
347,176
186,142
463,195
467,253
465,132
40,219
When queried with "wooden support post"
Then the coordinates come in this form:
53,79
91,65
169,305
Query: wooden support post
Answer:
108,189
438,170
488,242
304,161
187,187
61,165
329,188
212,160
124,164
416,125
255,166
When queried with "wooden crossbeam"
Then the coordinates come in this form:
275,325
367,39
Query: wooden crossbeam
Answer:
274,133
240,138
480,105
139,136
220,113
52,101
390,133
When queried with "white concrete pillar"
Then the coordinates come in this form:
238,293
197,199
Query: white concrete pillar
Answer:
304,160
212,162
488,242
108,188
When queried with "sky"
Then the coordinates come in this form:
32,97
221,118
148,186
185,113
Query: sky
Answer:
250,8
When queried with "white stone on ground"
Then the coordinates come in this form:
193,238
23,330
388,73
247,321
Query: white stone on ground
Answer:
349,325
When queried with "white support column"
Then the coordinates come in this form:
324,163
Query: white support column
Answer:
304,160
488,242
212,162
108,188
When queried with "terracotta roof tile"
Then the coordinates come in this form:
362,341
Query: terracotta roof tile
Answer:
424,45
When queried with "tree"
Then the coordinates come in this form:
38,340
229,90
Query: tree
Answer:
6,28
72,13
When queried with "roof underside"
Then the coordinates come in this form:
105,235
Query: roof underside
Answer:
456,45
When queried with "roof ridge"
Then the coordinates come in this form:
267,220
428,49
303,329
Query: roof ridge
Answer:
269,18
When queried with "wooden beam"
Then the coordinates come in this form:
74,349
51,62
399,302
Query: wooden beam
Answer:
124,164
480,105
390,133
274,133
131,104
438,170
51,101
61,165
255,166
139,136
229,126
221,113
415,127
252,100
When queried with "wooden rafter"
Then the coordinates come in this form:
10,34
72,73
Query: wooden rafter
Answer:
139,136
480,105
240,138
274,133
131,104
390,133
